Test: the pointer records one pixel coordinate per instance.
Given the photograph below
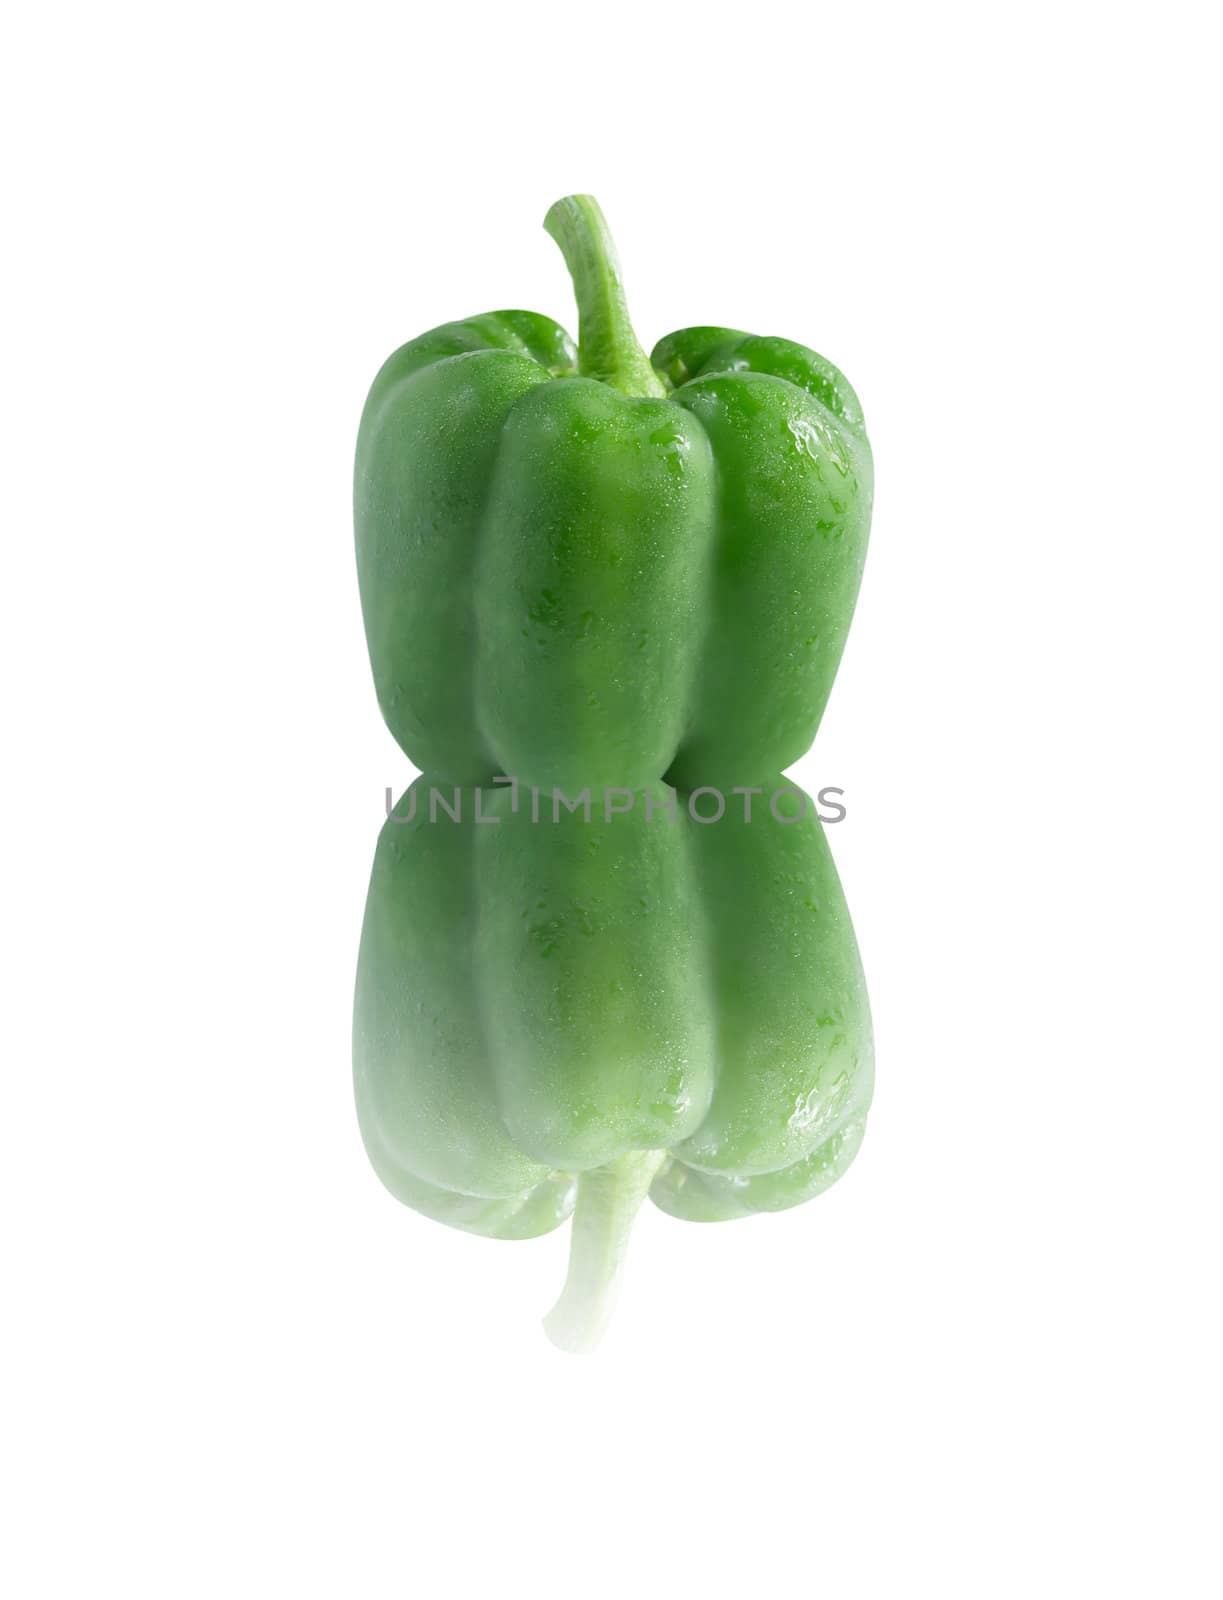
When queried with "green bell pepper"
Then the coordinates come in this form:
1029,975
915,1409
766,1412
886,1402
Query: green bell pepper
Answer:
600,569
625,585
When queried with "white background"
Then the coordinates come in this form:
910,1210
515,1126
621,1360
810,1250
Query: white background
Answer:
986,1363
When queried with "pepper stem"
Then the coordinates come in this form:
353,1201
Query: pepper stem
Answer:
608,1201
607,346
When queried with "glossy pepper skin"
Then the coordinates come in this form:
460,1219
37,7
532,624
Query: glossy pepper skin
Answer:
606,570
631,580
